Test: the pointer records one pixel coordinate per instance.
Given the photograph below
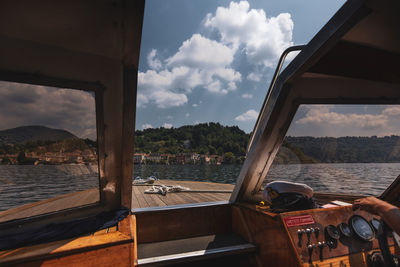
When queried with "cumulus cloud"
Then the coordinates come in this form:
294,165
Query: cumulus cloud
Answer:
250,115
72,110
247,96
346,120
199,62
167,125
255,77
391,111
322,114
204,63
187,115
201,52
195,105
147,126
264,38
156,87
152,61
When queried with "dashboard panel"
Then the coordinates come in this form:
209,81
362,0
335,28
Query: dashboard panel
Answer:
322,234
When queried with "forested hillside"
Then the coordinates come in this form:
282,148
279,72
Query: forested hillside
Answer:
214,138
348,149
205,138
34,133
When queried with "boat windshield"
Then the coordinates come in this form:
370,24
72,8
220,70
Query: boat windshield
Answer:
347,149
200,86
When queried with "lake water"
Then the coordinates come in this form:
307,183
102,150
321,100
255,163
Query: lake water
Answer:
22,184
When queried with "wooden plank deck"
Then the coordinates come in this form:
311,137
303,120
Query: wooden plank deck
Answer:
139,198
200,192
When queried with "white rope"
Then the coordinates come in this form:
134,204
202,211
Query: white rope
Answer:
164,189
140,181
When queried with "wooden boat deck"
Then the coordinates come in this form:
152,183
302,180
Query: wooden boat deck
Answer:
201,193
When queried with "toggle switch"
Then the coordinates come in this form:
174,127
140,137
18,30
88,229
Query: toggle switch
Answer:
308,233
310,248
321,246
316,232
300,233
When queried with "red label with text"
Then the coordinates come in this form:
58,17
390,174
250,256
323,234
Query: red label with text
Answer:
299,220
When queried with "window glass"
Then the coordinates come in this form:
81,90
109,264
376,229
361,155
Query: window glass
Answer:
347,149
48,149
204,70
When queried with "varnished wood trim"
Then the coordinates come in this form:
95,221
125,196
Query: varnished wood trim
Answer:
33,222
257,208
100,142
165,225
38,203
323,198
63,248
242,224
128,227
179,207
128,133
268,234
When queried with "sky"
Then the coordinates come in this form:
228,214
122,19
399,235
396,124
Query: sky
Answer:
206,61
26,105
212,60
346,120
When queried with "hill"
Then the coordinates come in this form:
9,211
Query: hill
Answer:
349,149
205,138
26,134
214,138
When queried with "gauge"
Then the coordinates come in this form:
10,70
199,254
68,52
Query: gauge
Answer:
375,224
345,230
332,232
362,228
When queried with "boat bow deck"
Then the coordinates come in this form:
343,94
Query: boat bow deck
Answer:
199,192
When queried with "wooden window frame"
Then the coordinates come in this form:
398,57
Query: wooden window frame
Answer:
100,55
60,83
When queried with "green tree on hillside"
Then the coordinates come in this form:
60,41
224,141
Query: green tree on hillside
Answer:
229,158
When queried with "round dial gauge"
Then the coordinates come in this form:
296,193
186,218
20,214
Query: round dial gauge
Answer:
361,228
375,224
332,232
345,230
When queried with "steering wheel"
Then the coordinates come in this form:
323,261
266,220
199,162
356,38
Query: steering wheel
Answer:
384,245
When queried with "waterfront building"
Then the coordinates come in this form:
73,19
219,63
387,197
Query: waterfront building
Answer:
139,158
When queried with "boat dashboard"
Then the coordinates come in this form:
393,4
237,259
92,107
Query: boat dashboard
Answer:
333,236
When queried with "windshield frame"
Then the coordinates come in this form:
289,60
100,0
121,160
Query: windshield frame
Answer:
282,108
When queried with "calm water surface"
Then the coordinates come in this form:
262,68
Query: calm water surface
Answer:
346,178
21,184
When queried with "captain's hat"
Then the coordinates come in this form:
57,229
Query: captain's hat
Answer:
276,188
